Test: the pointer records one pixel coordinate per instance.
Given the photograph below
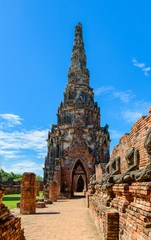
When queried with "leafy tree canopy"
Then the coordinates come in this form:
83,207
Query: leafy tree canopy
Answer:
5,177
39,178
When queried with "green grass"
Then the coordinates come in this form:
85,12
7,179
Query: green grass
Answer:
11,200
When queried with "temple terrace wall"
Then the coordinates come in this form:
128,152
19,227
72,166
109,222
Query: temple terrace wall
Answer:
120,201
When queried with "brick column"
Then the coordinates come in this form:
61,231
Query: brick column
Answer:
53,191
28,193
37,188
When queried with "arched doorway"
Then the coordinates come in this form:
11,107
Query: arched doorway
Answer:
79,177
80,184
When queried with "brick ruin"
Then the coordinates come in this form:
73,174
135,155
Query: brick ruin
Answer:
78,141
14,187
10,226
28,193
120,199
118,190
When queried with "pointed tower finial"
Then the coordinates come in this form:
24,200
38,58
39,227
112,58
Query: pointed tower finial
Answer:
78,73
78,58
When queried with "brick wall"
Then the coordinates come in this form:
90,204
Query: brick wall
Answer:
12,189
130,200
136,139
106,219
10,226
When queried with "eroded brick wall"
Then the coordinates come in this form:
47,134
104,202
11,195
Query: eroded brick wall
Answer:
28,193
12,189
10,226
131,196
136,139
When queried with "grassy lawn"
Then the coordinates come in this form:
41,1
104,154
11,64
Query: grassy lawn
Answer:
11,200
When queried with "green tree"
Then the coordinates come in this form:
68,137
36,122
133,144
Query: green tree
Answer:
9,176
39,178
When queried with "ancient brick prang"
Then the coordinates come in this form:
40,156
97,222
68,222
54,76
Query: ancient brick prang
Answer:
10,226
125,187
28,193
77,142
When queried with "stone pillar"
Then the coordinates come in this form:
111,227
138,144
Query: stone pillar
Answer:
28,193
53,191
37,188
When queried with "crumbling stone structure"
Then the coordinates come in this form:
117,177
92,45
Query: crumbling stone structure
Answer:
12,187
77,143
120,201
10,226
28,193
37,188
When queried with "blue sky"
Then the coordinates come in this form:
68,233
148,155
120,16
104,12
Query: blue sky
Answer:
36,39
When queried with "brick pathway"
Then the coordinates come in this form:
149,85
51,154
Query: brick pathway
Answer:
63,220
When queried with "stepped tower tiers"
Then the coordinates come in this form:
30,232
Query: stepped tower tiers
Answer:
77,143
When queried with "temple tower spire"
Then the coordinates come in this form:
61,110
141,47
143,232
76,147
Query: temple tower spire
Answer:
77,141
78,73
78,58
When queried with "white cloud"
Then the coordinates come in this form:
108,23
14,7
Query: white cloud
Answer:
24,166
115,134
102,90
144,106
9,154
19,145
131,116
9,120
124,96
33,140
146,70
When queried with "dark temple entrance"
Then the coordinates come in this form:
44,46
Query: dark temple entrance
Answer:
79,177
80,184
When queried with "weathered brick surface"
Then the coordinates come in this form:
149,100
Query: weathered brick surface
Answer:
122,197
10,226
136,139
53,191
106,218
130,198
139,211
37,188
12,189
28,193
